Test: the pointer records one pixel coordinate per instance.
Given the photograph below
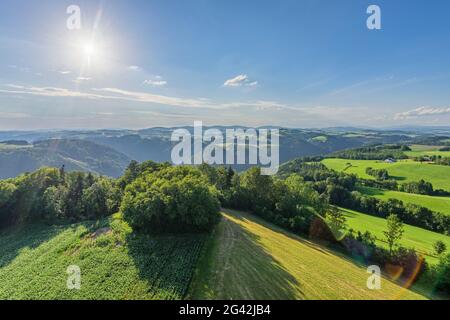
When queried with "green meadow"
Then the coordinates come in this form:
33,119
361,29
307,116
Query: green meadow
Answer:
420,239
422,150
402,171
438,204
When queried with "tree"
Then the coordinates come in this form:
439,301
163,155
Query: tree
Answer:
439,247
258,187
394,232
6,191
96,199
336,221
55,202
74,196
171,200
62,173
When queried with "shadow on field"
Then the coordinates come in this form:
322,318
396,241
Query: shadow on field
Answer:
278,283
166,262
13,240
243,216
238,267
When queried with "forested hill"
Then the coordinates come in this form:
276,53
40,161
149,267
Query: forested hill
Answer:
80,155
109,151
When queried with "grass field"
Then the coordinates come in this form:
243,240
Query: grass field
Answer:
247,258
320,139
403,171
420,239
114,264
438,204
422,150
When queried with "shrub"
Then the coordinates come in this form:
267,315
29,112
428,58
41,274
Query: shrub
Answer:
442,275
439,247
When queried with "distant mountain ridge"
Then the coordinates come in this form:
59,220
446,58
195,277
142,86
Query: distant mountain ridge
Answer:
108,151
79,155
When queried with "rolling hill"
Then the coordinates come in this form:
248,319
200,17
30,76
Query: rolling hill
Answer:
402,171
420,239
79,155
247,258
438,204
423,150
154,144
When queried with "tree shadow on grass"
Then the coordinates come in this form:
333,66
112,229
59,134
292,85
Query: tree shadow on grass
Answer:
14,239
237,266
253,218
165,262
30,236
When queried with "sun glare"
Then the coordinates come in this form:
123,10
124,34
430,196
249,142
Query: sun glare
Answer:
89,50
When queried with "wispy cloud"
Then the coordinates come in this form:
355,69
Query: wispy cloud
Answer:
65,72
155,83
134,68
48,92
257,112
241,80
82,79
13,115
21,69
421,112
143,97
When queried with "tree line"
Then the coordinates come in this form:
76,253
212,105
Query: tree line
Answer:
375,152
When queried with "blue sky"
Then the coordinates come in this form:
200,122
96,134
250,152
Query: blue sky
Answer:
299,63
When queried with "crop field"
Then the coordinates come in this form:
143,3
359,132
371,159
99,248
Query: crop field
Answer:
114,263
247,258
420,239
402,171
438,204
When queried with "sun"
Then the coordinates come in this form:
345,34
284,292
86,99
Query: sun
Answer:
89,49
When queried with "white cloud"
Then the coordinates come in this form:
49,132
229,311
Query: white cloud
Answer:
82,79
65,72
240,81
421,112
134,68
156,83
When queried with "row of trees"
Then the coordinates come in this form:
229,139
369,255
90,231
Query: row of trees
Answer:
435,159
379,174
377,152
290,203
52,194
420,187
